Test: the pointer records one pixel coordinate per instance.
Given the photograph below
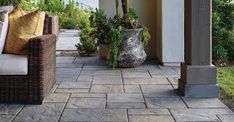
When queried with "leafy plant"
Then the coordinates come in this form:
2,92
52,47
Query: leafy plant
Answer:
98,20
88,42
9,2
116,37
223,23
145,36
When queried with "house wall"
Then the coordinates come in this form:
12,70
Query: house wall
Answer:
165,20
172,36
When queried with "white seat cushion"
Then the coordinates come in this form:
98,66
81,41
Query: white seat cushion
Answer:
3,29
13,64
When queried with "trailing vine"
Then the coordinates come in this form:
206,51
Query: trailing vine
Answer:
116,37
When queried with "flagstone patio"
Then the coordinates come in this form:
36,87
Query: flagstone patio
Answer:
87,90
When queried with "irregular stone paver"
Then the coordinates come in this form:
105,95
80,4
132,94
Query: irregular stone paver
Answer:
136,74
74,85
157,80
65,60
198,114
226,117
89,101
160,102
132,89
204,103
57,98
125,101
72,90
107,80
86,103
46,112
157,112
108,72
150,118
95,115
11,109
158,91
107,89
89,95
69,65
6,118
125,98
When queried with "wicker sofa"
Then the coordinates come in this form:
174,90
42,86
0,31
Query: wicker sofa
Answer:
32,87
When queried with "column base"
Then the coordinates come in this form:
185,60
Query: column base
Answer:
198,81
199,91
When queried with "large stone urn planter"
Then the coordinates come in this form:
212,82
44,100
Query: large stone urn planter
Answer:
132,53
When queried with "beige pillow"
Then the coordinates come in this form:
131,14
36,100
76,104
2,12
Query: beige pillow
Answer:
23,27
3,29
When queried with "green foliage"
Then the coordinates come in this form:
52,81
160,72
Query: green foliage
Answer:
219,52
116,37
130,19
226,83
145,36
99,21
9,2
88,43
27,5
223,23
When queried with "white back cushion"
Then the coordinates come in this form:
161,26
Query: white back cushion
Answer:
3,29
13,64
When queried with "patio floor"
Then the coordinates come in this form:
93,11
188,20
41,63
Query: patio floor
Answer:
86,90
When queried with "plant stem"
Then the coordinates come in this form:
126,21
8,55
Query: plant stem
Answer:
117,8
125,6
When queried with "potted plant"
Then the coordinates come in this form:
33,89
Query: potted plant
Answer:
88,42
99,21
128,38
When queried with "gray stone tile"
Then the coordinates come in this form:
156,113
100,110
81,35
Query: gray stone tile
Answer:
155,72
132,89
107,80
136,74
91,67
83,78
6,118
56,98
46,112
125,105
88,95
158,91
86,60
198,114
74,85
125,101
95,115
150,118
125,98
64,59
204,103
157,80
160,102
11,109
107,89
66,79
108,72
156,112
174,80
72,90
226,117
68,71
86,103
169,73
69,65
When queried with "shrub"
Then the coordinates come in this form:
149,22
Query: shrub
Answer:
223,21
88,43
